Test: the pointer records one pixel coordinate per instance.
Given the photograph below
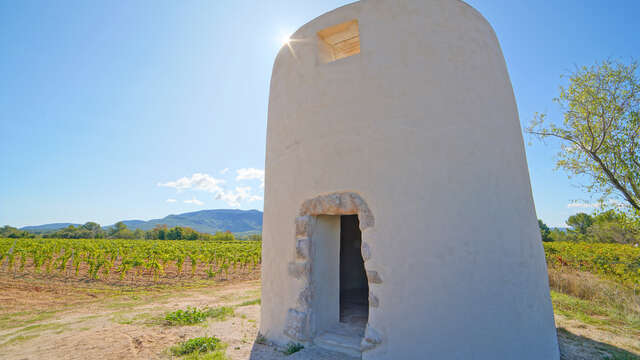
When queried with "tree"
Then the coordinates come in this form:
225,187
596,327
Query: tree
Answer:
120,231
94,230
600,129
255,237
14,233
138,234
611,232
544,231
223,236
562,235
158,233
92,226
580,222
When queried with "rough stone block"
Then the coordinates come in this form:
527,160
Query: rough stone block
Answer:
372,338
366,219
300,270
373,300
303,248
340,203
365,249
302,226
374,277
305,297
295,324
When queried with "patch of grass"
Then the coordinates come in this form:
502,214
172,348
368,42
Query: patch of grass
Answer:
31,331
587,286
18,319
261,339
216,355
120,318
199,346
42,327
293,348
594,313
221,313
235,296
253,293
89,317
123,305
190,316
18,339
250,302
193,316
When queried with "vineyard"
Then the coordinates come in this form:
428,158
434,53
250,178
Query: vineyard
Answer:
617,262
153,260
130,260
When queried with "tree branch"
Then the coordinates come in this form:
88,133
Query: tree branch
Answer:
615,181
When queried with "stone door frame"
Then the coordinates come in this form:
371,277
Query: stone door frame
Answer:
298,323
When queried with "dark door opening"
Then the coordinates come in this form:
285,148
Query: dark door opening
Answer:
354,288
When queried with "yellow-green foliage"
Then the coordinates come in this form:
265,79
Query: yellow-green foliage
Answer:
102,256
618,262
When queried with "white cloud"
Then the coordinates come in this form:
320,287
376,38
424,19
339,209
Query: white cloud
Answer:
233,198
583,205
207,183
613,203
197,181
224,171
194,201
251,174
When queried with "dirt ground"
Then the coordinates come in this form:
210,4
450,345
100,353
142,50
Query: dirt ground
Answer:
54,318
49,319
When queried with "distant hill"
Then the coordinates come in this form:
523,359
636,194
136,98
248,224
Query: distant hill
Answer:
37,229
207,221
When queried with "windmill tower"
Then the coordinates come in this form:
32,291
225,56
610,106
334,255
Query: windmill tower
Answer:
399,221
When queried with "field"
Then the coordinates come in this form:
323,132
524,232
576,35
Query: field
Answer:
113,299
131,261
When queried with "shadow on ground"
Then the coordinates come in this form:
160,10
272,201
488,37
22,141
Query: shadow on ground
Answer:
576,347
572,347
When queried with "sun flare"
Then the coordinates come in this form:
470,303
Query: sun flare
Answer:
284,36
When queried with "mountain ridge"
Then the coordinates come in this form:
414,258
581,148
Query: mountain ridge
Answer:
206,221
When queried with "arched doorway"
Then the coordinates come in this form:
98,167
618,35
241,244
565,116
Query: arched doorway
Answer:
332,254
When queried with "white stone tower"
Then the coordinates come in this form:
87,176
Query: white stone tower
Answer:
399,221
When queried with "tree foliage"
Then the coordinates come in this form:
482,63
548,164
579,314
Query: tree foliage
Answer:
605,227
600,129
580,222
93,230
13,233
544,231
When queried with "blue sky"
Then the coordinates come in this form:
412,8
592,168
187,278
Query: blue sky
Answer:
139,109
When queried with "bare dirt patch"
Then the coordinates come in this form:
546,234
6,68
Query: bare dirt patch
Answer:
75,321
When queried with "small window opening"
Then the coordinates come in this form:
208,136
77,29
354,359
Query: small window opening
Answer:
339,41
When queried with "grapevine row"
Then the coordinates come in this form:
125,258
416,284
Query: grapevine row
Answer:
105,256
617,262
